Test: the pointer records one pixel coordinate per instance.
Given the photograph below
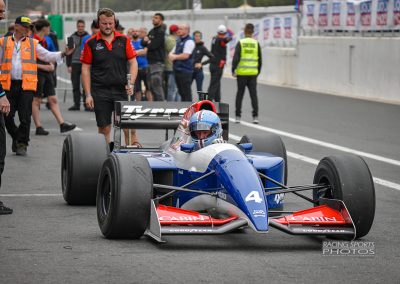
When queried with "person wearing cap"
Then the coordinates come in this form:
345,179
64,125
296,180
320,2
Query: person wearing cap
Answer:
181,56
218,49
45,84
18,66
155,43
4,110
75,66
171,89
246,65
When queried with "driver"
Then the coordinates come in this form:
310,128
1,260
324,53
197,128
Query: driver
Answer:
205,129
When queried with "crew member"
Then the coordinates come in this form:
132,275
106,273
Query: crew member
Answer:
75,66
246,66
181,56
199,52
104,73
18,55
155,42
218,49
45,85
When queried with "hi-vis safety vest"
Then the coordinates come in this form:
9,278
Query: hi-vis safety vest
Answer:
28,61
248,64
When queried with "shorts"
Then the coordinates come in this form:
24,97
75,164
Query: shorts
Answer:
141,77
45,85
104,99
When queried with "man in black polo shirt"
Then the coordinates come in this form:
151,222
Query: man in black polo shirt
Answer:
155,43
104,60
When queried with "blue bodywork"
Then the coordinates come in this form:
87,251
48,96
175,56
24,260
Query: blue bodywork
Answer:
235,179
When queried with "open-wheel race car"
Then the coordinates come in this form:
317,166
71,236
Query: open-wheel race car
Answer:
179,188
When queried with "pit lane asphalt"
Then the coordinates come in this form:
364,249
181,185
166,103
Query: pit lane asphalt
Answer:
46,241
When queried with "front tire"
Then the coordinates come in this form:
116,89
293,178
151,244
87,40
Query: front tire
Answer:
351,181
82,157
124,193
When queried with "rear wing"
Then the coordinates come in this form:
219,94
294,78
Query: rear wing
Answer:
160,115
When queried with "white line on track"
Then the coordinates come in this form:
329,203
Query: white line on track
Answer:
312,161
320,143
30,194
61,79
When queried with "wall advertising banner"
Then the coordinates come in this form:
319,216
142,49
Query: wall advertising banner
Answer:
382,13
310,14
396,13
287,28
323,15
336,12
351,15
266,28
277,28
365,13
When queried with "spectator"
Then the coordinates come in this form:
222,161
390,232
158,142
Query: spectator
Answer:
181,56
45,85
155,43
142,65
170,42
218,49
246,66
104,73
75,66
4,109
129,33
94,27
199,51
18,55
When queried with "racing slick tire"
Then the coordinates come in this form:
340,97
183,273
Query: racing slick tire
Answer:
268,143
124,193
351,181
82,157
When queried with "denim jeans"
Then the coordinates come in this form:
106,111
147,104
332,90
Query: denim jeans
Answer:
172,94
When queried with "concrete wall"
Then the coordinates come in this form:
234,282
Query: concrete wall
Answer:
358,67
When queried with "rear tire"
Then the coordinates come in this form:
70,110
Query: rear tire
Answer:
124,194
351,181
82,157
268,143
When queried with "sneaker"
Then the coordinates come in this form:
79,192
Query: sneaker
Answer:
255,120
65,127
14,146
74,108
237,119
5,210
21,149
41,131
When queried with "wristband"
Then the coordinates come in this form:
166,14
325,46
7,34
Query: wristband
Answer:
2,94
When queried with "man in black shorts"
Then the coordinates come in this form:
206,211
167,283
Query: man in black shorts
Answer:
104,73
46,85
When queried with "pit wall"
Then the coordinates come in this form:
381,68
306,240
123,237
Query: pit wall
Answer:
359,67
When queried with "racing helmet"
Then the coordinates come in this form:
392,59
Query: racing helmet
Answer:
205,127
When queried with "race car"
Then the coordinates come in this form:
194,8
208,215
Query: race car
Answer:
178,188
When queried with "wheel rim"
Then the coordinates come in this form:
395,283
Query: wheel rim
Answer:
105,195
325,192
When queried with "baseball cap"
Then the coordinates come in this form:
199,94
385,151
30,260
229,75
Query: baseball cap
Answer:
173,29
221,29
23,21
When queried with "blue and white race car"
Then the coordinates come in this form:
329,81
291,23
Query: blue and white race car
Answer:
183,187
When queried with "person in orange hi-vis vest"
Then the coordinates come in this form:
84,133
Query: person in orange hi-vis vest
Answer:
18,66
